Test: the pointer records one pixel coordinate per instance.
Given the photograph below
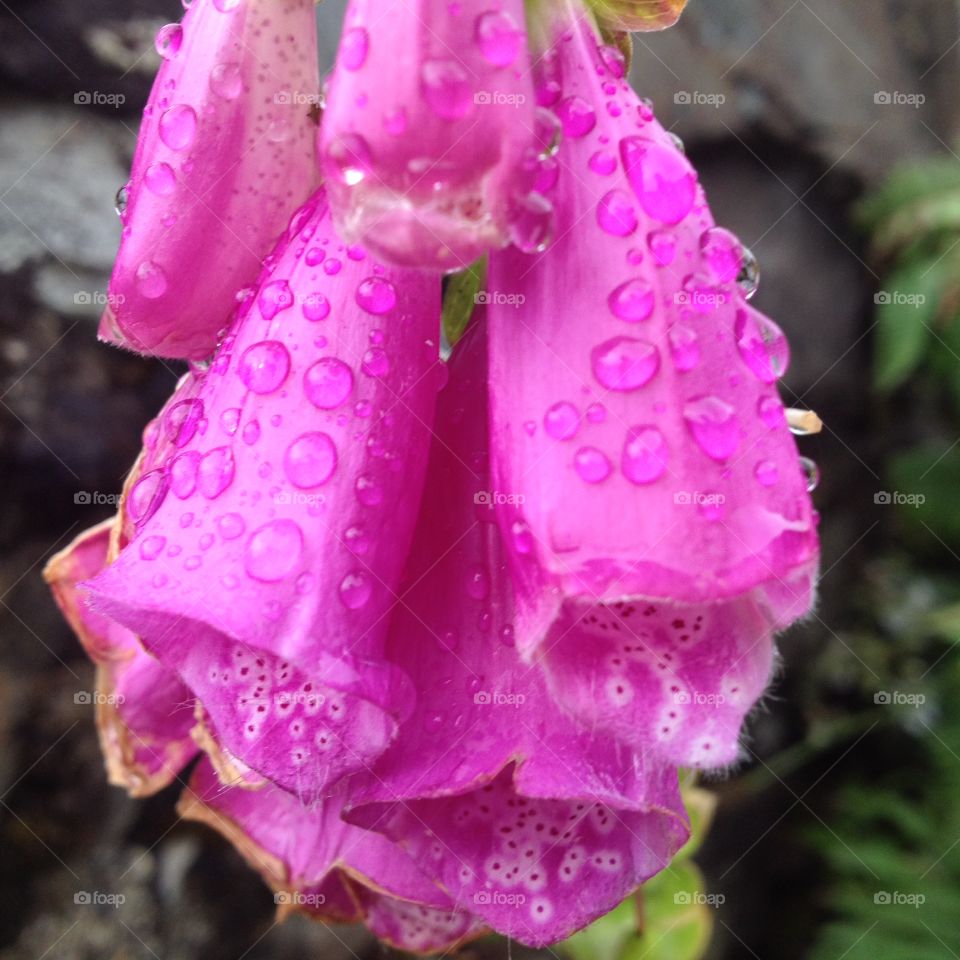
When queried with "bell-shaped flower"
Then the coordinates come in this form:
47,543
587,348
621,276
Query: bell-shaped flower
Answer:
645,479
319,865
143,712
429,125
526,818
225,152
271,528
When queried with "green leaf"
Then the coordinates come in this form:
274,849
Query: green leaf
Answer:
908,186
907,308
925,481
607,937
460,297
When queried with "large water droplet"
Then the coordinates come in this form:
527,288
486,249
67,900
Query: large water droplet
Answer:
183,474
577,117
615,214
376,295
369,490
766,472
354,47
771,412
356,590
722,253
811,473
531,223
169,40
231,526
748,279
349,154
521,536
216,472
645,455
562,421
151,280
592,465
713,424
273,551
316,307
684,347
121,200
625,363
498,37
762,345
147,495
375,362
662,178
328,383
310,460
602,162
632,301
663,246
182,421
446,88
226,81
160,179
178,127
264,366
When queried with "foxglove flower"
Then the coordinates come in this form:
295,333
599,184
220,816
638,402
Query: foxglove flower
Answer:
320,865
272,526
527,819
225,153
429,123
143,712
664,509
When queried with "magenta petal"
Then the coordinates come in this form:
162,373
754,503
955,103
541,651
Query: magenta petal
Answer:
428,134
279,520
327,868
225,153
487,747
144,714
653,465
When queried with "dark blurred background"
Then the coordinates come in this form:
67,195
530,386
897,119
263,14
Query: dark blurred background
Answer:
795,113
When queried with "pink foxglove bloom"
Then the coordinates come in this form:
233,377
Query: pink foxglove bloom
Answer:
225,153
429,123
648,488
270,530
529,820
143,711
320,865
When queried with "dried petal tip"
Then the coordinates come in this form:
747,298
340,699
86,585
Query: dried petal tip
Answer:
638,14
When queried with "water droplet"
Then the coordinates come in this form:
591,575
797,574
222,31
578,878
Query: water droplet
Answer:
684,348
216,472
357,541
762,345
375,362
356,590
274,297
532,223
152,547
231,526
183,474
354,47
663,246
521,536
615,214
625,363
160,179
722,253
562,421
151,280
121,200
577,117
498,37
264,366
645,455
369,491
632,301
316,307
766,472
592,465
811,473
713,424
182,421
349,155
226,81
477,582
178,127
614,60
446,88
748,279
273,551
602,162
328,383
147,495
169,40
251,433
395,122
376,295
662,178
310,460
596,413
770,410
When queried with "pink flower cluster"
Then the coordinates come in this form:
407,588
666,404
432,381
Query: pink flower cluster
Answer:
435,636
